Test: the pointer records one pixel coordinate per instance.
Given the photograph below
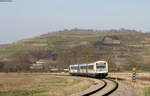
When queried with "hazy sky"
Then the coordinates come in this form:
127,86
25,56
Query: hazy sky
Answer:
27,18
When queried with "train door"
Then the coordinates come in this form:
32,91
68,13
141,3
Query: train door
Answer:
86,69
78,68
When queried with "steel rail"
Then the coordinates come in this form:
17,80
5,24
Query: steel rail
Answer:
103,89
114,89
99,89
96,90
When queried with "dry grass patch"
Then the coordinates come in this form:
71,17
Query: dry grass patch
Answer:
17,84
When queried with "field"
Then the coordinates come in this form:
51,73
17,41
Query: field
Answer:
142,84
46,84
19,84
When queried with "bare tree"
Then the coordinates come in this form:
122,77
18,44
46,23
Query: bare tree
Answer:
20,62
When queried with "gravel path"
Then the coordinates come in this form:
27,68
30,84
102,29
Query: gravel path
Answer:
124,89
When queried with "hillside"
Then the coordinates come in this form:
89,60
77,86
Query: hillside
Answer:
67,38
51,45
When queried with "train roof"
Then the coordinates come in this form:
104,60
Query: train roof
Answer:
93,62
86,63
74,65
100,61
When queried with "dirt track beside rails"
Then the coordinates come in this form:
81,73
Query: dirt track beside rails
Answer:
124,89
129,88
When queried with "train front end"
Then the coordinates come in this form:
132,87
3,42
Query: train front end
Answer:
101,69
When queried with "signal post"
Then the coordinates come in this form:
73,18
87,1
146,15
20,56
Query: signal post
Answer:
133,74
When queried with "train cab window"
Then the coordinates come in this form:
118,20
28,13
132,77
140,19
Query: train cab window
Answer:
100,65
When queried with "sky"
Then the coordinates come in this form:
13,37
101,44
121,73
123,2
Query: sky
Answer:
22,19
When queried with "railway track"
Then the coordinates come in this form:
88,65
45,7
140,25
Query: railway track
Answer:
104,88
110,87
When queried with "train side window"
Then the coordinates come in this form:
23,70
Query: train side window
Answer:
76,67
72,68
90,66
83,67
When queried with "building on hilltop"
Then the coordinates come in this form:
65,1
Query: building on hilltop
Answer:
111,40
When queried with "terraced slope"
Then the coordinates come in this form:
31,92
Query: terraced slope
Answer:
71,38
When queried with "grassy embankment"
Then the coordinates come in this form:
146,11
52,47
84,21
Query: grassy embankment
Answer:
18,84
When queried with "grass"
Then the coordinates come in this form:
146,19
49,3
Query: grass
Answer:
18,84
22,92
147,91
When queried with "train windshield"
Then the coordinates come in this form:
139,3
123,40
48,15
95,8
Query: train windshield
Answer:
101,65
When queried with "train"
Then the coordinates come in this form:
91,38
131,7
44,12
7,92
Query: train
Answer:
97,69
